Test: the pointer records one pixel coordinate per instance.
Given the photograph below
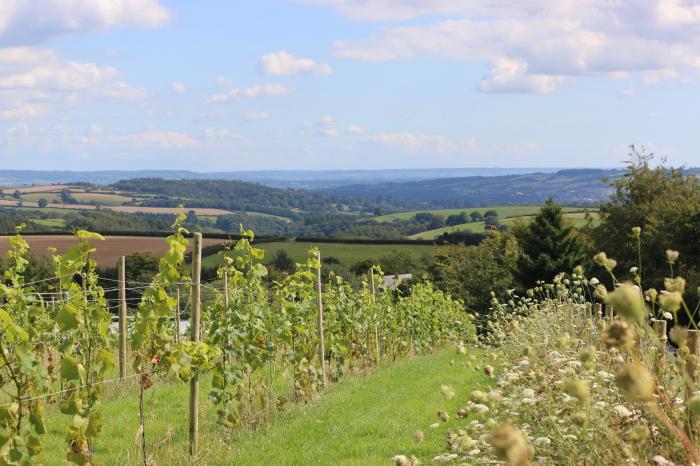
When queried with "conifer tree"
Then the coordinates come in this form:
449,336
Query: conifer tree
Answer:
548,246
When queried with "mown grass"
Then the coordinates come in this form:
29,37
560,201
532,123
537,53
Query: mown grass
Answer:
361,420
346,253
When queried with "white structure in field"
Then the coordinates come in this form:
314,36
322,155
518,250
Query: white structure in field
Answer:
392,281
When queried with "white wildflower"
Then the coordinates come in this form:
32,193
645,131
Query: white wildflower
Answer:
542,441
622,411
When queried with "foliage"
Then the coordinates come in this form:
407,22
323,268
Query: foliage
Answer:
665,203
548,245
470,273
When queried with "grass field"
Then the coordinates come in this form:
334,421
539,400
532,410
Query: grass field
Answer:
346,253
577,219
503,212
50,222
362,420
108,251
102,198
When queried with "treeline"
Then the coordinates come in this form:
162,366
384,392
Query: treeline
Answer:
652,209
242,196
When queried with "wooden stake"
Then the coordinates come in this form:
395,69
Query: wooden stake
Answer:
194,322
609,313
374,309
598,311
177,315
321,345
694,347
121,265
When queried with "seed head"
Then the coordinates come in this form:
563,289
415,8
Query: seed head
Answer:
418,436
636,382
678,335
651,294
579,418
444,417
671,302
694,403
672,256
628,302
638,434
619,334
447,391
510,444
477,396
600,291
577,388
488,370
674,284
636,232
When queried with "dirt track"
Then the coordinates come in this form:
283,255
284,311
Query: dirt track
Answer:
108,251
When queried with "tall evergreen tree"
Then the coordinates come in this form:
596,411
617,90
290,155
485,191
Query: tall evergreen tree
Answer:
548,246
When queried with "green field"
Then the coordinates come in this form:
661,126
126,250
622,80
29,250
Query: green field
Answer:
34,197
361,420
50,222
503,212
102,198
577,219
346,253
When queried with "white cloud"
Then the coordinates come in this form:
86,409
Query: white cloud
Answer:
17,133
326,120
27,22
218,134
283,63
329,132
355,130
264,90
512,76
34,80
473,145
178,87
255,116
161,139
415,142
534,45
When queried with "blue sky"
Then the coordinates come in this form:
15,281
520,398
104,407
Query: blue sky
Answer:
343,84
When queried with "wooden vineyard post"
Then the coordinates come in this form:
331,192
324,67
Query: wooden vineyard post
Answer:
177,315
194,323
694,347
321,345
374,308
598,311
121,265
608,313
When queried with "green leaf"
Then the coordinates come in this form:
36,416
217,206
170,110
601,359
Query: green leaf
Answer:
94,424
67,318
71,369
34,446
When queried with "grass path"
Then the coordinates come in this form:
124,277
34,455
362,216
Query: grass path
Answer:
363,420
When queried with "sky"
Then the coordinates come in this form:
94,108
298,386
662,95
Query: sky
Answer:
346,84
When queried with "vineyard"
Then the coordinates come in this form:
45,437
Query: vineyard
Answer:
253,347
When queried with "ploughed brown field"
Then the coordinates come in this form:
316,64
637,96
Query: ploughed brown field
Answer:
108,251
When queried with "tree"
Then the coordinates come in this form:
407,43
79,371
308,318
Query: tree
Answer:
66,197
42,203
665,203
282,261
17,194
470,273
548,246
476,216
457,219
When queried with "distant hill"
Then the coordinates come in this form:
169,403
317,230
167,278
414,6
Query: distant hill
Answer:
571,186
306,179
